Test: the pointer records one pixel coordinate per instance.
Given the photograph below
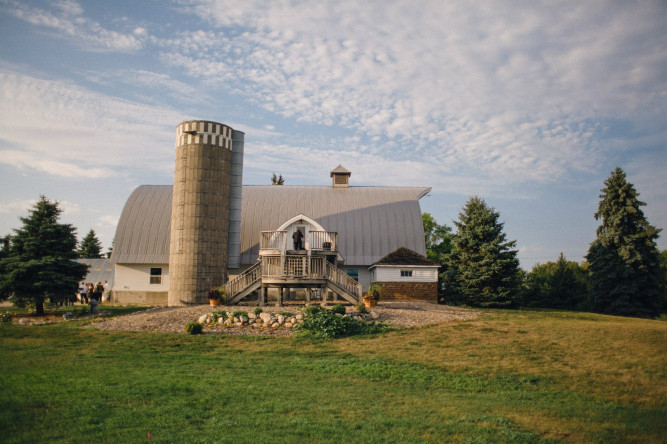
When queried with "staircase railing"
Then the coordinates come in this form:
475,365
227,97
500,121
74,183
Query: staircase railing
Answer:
244,280
341,279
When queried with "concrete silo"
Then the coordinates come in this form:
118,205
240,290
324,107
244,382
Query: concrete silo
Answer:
200,212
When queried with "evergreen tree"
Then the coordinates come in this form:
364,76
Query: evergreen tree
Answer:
624,259
38,263
562,284
277,180
482,269
91,247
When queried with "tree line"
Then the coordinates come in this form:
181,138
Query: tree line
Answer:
624,272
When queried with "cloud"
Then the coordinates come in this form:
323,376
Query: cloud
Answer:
21,206
66,20
512,92
65,130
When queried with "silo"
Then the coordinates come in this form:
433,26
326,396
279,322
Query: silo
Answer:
200,211
235,194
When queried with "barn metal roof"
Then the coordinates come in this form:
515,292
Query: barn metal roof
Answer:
370,221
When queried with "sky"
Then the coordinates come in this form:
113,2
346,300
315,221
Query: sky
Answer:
527,104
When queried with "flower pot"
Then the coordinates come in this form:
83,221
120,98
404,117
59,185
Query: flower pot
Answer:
214,302
371,303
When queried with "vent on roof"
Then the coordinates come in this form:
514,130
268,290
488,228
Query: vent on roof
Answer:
341,177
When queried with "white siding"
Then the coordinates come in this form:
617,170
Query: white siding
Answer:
393,274
136,277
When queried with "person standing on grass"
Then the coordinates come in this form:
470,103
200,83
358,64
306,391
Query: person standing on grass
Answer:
83,292
106,290
98,291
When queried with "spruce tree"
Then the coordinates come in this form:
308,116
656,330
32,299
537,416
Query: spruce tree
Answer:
482,269
91,247
38,263
624,259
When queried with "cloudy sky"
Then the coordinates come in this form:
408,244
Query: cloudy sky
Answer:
529,105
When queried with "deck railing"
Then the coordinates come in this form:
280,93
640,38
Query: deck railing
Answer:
323,240
293,266
317,240
273,240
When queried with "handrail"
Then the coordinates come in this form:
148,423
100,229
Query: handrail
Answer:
244,280
272,240
340,278
318,239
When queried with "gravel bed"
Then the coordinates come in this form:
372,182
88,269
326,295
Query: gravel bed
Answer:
173,319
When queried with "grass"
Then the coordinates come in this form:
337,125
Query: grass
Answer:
508,376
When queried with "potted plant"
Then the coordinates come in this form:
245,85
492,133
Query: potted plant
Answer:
372,296
215,296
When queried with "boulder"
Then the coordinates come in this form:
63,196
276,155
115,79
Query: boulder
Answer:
202,319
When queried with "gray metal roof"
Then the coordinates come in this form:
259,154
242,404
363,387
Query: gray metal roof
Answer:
371,221
99,270
142,235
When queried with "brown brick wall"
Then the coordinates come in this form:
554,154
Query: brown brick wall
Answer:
424,291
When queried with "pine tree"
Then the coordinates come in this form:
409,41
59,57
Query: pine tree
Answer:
624,259
38,263
482,269
91,247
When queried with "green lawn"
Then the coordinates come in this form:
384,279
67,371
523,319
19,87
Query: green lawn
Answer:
508,376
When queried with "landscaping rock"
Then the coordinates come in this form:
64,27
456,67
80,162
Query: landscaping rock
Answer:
202,319
69,315
24,321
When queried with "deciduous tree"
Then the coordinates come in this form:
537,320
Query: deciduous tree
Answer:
38,262
438,239
482,269
624,259
562,284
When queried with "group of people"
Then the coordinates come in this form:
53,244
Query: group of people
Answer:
89,291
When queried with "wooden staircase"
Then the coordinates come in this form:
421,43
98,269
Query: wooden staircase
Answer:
293,271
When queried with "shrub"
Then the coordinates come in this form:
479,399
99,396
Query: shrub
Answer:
338,308
285,313
361,308
194,328
6,317
311,309
239,313
257,311
327,324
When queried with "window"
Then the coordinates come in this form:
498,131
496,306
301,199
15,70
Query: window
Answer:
406,273
156,275
353,273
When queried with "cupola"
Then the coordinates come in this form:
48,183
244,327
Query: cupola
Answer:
340,177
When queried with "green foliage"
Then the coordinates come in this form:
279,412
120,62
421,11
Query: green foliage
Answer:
562,285
482,269
361,308
91,247
194,328
257,311
238,313
438,239
338,308
326,324
5,317
37,262
277,180
312,309
624,259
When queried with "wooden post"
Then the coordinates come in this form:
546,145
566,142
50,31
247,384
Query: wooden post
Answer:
280,297
262,296
308,290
